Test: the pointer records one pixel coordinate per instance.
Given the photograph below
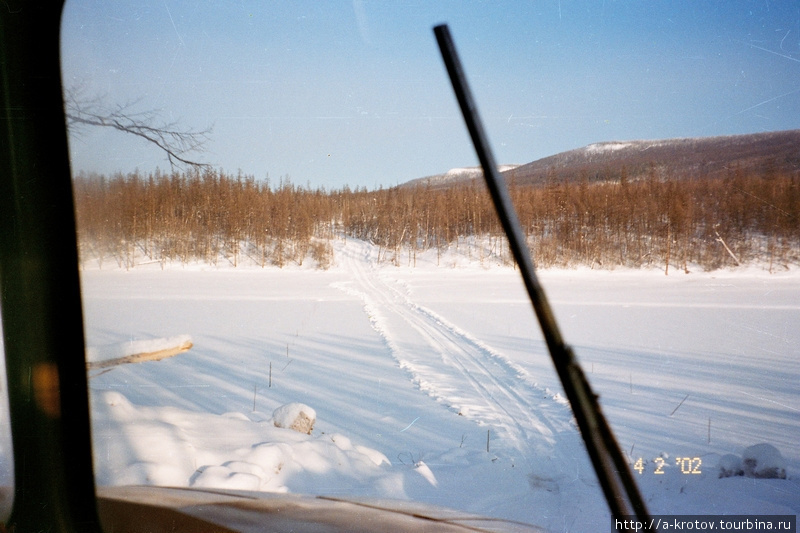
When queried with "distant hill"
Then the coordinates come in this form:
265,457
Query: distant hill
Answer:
453,176
671,158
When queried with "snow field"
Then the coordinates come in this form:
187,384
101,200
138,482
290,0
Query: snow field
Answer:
410,370
687,367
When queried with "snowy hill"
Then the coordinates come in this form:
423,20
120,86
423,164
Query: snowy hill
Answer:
683,158
686,158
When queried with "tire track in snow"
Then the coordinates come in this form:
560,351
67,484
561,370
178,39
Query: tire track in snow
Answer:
468,376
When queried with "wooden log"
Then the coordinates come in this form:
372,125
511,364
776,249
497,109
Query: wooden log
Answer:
157,355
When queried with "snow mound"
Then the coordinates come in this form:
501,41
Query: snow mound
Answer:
764,461
296,416
425,471
730,465
170,446
227,477
758,461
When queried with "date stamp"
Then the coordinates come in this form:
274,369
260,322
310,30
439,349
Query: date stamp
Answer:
687,465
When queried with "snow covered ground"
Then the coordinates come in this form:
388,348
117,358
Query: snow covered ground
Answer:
433,384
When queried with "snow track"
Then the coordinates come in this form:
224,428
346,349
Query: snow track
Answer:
468,377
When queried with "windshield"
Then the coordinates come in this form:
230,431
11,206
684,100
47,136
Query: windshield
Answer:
294,283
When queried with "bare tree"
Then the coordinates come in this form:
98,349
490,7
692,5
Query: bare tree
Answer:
173,140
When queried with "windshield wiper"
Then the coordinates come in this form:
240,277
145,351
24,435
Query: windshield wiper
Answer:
609,464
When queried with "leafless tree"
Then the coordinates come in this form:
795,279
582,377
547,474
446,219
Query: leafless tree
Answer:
176,142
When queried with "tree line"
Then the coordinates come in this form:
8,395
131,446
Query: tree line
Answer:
210,216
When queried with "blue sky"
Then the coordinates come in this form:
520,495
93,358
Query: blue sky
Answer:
354,92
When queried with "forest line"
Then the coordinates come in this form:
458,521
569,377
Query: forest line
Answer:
211,216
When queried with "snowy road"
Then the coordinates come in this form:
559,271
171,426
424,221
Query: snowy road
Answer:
471,379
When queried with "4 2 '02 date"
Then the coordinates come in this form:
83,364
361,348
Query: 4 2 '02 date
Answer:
688,465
